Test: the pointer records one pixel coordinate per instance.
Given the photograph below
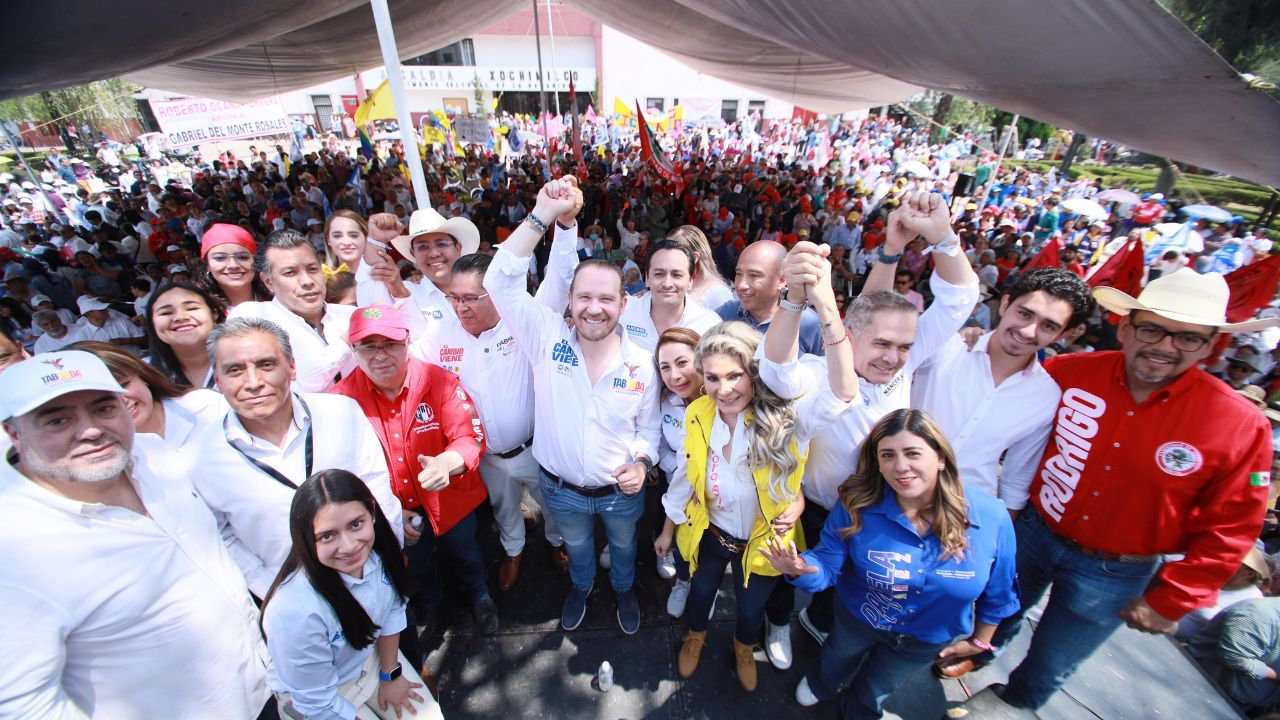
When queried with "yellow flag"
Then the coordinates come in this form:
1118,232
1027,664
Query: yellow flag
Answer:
378,106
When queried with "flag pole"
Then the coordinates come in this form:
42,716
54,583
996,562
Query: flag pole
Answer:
408,134
555,68
542,94
995,174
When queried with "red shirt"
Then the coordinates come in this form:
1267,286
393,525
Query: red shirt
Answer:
1186,471
1148,212
432,414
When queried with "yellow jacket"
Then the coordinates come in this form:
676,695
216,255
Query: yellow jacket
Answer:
698,421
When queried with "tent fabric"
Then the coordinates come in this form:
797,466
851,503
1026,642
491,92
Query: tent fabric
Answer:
1124,70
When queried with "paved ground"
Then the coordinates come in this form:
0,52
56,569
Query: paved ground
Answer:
532,669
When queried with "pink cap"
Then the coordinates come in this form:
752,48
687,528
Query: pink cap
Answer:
381,320
225,234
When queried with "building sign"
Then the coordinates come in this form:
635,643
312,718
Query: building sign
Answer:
495,78
193,121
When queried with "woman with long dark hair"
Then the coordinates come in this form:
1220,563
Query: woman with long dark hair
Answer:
178,319
227,253
334,614
915,560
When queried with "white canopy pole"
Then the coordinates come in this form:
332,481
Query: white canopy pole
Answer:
995,173
408,133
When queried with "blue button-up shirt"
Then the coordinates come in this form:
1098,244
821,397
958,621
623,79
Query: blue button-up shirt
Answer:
810,325
894,580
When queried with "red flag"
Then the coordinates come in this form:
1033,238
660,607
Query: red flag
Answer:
746,157
652,154
577,135
1047,257
1122,271
1252,287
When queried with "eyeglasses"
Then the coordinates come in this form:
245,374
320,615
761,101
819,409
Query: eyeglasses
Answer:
467,300
370,352
424,246
239,258
1184,341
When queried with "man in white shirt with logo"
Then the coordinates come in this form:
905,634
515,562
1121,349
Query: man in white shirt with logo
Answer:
666,305
596,419
120,600
271,441
480,348
889,342
317,330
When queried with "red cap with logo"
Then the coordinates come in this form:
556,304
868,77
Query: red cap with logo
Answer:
381,320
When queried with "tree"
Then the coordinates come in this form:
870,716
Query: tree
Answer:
1246,33
108,103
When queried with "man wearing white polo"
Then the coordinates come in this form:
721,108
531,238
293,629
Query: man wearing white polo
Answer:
119,598
479,347
666,305
596,419
270,441
291,269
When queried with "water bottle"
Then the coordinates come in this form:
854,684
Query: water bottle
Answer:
414,522
604,678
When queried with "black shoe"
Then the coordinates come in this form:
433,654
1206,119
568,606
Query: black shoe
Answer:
424,617
628,612
486,615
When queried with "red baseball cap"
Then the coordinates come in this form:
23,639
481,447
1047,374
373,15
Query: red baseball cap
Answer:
381,320
225,234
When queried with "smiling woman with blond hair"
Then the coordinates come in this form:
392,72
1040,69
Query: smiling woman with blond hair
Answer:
737,484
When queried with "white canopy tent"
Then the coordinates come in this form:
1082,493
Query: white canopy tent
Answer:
1125,70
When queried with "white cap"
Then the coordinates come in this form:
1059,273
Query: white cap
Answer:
313,222
88,303
37,300
172,249
175,269
34,382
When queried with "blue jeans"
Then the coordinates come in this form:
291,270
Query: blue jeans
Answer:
1082,612
575,514
460,543
753,601
870,663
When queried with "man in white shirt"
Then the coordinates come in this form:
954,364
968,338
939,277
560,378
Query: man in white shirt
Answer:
997,398
291,269
434,244
889,342
271,441
666,305
55,335
123,602
99,322
480,348
595,455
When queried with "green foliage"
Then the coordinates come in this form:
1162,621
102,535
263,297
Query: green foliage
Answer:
101,103
1215,190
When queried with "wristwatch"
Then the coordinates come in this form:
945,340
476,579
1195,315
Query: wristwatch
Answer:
644,460
789,306
389,676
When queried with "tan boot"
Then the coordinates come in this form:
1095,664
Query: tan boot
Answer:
690,652
744,657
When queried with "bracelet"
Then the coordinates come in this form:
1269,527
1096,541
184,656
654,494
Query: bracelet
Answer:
829,343
534,221
950,246
887,259
981,644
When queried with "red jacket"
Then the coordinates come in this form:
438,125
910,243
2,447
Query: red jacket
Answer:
431,414
1187,471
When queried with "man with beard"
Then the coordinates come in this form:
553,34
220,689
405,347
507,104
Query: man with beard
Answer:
594,456
1134,473
123,601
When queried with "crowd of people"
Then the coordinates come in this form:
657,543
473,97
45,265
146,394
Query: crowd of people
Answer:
258,410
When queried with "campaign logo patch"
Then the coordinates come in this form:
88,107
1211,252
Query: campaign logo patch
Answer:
562,352
1179,458
628,386
637,331
424,414
451,355
60,373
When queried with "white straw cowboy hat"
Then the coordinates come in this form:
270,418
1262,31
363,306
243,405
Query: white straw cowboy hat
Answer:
427,220
1184,296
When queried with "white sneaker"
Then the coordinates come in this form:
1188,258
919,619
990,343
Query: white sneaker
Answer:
605,562
666,566
777,644
804,695
678,598
810,628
